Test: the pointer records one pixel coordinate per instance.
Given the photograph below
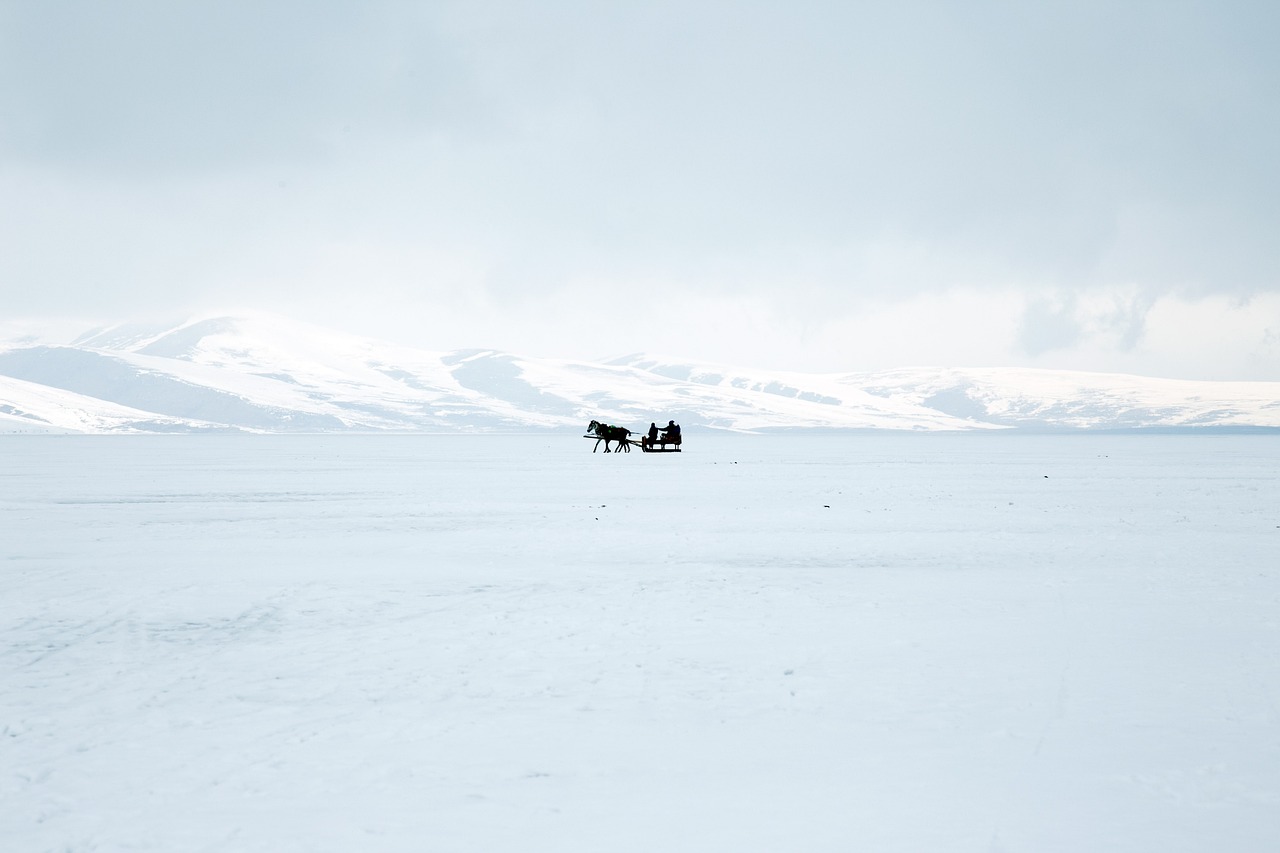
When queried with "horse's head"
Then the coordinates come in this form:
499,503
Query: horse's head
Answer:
594,426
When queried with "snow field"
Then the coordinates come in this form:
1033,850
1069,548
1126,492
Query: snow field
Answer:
405,643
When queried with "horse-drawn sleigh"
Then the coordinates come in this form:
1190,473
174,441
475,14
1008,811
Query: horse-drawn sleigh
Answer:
649,443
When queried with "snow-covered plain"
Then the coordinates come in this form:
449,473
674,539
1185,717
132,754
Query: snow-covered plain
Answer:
876,642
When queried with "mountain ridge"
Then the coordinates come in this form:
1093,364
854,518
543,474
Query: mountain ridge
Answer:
262,373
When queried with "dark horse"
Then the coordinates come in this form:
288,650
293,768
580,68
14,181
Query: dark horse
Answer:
606,433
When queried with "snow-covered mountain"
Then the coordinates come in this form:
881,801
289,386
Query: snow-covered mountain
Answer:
267,374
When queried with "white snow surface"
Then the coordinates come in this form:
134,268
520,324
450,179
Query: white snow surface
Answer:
264,373
881,642
27,407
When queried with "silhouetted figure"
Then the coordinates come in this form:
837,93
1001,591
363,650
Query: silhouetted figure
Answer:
652,438
670,435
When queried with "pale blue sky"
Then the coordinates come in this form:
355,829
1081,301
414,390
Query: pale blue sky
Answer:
832,186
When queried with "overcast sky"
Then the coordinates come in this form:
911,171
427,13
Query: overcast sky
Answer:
799,185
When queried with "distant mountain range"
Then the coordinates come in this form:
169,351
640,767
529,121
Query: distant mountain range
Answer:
268,374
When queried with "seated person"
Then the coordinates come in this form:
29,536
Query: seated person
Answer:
652,438
670,433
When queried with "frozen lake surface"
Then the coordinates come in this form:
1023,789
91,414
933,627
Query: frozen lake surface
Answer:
914,643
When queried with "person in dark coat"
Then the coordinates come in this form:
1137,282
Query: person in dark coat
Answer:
671,433
652,438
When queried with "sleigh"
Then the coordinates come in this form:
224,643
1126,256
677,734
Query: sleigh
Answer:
659,444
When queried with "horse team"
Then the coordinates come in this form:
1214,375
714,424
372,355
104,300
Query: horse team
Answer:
607,433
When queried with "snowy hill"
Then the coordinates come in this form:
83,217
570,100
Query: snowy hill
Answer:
268,374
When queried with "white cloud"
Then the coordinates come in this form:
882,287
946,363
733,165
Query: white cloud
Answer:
820,185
